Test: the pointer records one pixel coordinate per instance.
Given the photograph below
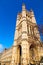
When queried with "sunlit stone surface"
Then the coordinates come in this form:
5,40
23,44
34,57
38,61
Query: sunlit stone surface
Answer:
27,48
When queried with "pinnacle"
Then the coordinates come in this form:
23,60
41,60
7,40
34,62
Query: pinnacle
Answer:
23,6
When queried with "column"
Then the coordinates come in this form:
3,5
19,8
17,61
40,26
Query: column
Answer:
29,30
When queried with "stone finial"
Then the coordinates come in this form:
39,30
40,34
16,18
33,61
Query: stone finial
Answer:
31,11
23,6
18,16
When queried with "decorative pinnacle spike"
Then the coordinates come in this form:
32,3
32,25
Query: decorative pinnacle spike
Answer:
23,6
18,17
32,11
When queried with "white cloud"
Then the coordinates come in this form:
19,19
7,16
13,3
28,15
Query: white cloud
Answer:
1,48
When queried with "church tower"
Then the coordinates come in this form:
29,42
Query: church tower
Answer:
26,40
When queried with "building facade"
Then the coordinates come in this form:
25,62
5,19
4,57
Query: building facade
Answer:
27,48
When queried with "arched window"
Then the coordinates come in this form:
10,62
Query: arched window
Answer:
32,50
20,53
20,50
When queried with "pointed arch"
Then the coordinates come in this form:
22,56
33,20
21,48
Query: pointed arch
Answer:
33,53
19,54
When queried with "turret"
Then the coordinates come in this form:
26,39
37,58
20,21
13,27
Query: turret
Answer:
32,16
23,11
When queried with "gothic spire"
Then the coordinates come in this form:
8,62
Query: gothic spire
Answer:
23,6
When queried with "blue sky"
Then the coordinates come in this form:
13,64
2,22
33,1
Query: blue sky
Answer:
8,14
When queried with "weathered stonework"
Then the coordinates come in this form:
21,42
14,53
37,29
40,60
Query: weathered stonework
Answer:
27,48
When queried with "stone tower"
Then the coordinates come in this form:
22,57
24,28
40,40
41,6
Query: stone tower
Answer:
26,41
